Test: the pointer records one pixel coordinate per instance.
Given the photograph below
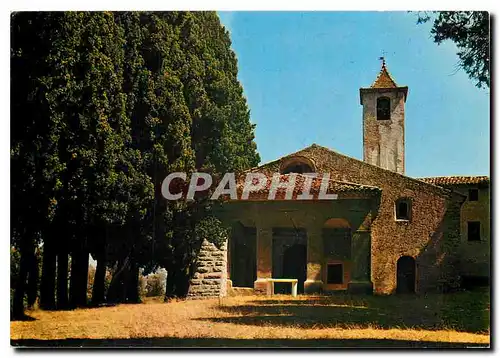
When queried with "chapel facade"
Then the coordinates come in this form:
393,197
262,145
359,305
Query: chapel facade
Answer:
383,233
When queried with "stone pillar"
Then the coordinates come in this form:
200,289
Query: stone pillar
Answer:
314,281
264,257
361,263
210,277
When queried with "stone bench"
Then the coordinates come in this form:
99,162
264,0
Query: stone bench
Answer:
271,281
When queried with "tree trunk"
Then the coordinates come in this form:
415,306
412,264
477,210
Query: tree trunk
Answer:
25,267
170,287
116,291
182,283
48,284
79,274
177,282
99,280
18,304
32,288
62,278
100,237
132,283
18,301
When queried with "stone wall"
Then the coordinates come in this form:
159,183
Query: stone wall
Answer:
210,279
475,255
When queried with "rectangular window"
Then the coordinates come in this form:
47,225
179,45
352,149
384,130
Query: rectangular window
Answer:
473,231
403,209
383,108
473,195
335,274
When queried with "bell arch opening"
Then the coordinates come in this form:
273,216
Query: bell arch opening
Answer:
299,165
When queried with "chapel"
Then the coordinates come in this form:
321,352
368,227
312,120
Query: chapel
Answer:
384,232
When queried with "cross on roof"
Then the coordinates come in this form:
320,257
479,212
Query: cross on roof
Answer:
382,58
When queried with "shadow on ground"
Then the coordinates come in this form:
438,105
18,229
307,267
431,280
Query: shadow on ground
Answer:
23,318
463,313
237,343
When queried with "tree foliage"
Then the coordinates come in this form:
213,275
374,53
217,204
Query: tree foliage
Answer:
104,106
470,31
155,284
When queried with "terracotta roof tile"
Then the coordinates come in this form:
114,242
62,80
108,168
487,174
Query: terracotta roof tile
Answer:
384,79
456,180
334,187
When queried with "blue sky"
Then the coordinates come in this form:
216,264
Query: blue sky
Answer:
301,73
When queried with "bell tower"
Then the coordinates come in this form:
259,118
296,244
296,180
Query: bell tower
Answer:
384,122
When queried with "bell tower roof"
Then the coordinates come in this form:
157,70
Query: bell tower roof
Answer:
384,78
383,83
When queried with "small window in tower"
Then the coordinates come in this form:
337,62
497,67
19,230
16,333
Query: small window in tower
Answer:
473,231
383,108
334,274
473,195
403,209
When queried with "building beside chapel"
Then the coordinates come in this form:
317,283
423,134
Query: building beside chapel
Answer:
383,233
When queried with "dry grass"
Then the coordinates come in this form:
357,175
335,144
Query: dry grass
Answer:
258,321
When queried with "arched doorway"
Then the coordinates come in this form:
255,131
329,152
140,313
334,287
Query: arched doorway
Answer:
406,275
295,265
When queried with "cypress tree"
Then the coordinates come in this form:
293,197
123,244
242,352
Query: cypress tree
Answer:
104,106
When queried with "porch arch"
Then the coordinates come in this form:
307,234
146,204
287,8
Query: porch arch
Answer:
337,223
